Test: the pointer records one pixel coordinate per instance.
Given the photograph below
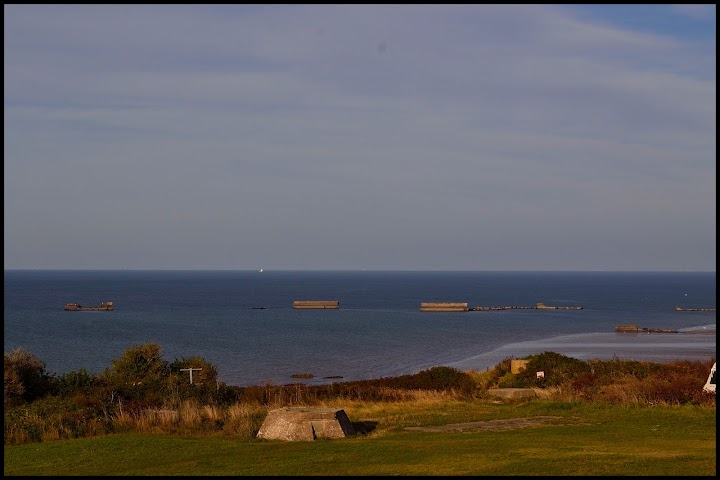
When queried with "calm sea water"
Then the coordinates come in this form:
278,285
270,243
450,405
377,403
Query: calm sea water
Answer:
378,330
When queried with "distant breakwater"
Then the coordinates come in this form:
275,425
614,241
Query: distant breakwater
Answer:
539,306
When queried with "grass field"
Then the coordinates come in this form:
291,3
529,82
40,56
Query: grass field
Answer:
584,439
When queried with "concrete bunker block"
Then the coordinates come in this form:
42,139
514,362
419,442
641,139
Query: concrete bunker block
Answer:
518,365
305,424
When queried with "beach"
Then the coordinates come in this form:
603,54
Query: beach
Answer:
697,343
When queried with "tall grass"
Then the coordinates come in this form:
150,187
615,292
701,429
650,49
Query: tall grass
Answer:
637,384
241,420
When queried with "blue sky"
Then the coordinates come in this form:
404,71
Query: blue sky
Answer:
380,137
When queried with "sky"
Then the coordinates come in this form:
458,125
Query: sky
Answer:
351,137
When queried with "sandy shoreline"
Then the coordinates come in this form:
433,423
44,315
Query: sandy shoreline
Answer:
693,344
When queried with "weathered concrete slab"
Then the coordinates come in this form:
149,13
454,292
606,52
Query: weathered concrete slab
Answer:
305,424
512,392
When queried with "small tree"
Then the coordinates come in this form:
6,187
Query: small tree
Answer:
140,374
25,377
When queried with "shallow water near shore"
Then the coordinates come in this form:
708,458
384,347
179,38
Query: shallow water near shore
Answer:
650,347
377,331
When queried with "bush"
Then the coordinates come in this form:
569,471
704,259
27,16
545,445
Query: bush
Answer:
72,383
557,369
616,381
142,392
204,387
25,377
140,374
53,418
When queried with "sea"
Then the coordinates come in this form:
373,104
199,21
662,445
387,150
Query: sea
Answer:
378,331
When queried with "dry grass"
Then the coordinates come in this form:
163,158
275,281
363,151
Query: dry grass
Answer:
243,420
239,419
614,382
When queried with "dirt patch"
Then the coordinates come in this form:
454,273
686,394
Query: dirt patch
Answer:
501,424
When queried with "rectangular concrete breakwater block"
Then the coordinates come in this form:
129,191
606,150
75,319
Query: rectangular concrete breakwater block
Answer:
317,304
305,424
443,307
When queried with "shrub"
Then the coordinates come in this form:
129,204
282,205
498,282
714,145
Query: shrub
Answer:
557,369
142,392
25,377
616,381
205,386
73,383
52,418
651,384
140,374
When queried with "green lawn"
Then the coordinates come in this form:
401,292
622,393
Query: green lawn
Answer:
588,440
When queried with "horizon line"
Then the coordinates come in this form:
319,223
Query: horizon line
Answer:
264,270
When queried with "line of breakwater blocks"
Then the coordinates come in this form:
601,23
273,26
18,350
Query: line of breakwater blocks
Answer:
463,307
430,306
305,424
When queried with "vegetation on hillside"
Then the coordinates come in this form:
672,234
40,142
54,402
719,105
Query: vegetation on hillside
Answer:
142,392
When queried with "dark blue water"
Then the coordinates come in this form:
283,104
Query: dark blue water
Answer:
378,331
